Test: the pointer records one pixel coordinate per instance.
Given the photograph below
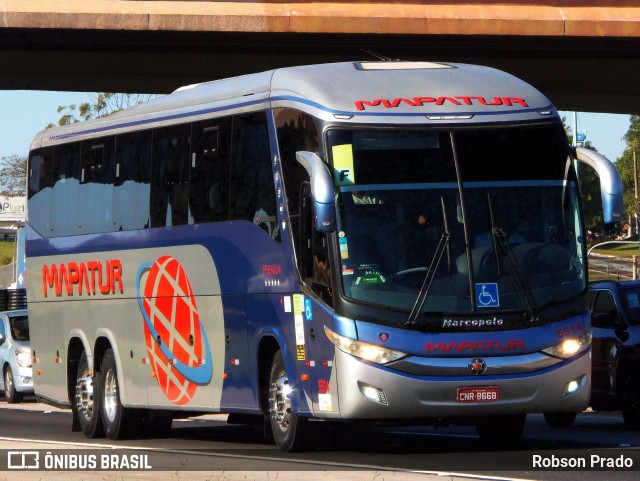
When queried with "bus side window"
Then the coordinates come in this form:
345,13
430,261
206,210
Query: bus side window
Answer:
252,191
96,185
133,173
209,177
40,170
97,164
170,176
40,177
66,170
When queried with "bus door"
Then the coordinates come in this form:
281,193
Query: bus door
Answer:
316,307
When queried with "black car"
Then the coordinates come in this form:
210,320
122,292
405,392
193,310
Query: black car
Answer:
615,318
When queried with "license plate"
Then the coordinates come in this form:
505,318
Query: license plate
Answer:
478,394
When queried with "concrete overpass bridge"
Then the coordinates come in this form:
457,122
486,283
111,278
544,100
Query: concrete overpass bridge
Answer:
584,54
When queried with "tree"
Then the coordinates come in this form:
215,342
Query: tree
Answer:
13,176
626,168
13,168
589,185
105,103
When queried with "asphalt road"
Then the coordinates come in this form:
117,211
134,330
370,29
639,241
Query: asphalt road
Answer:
209,445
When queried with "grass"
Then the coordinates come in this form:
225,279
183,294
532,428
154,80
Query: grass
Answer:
7,252
623,250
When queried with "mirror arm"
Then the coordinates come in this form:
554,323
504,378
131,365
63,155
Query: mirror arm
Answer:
321,190
610,182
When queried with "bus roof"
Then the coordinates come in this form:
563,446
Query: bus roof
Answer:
361,92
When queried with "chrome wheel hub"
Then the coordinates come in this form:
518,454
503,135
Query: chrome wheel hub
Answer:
280,401
110,395
84,395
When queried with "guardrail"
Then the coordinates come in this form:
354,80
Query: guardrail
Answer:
611,266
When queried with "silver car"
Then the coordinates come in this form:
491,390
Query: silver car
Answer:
15,355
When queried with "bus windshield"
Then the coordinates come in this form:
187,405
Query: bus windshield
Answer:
507,193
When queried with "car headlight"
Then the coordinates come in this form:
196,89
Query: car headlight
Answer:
363,350
570,347
23,357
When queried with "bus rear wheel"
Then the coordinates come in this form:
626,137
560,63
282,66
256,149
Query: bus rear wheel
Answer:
87,401
117,420
289,430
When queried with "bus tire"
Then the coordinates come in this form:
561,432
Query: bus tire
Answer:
289,430
87,401
502,430
560,420
10,394
155,424
118,421
630,400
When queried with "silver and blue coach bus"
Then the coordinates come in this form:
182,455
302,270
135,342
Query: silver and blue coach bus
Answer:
397,241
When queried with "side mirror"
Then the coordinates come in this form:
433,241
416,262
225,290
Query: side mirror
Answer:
1,339
610,183
321,190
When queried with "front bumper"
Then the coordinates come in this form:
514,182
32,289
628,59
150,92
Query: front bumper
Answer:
23,379
412,396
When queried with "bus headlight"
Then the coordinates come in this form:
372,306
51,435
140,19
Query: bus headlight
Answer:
23,357
363,350
569,347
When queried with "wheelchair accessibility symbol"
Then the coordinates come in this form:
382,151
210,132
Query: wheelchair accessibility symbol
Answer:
487,295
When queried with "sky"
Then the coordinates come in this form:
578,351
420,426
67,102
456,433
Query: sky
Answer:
24,113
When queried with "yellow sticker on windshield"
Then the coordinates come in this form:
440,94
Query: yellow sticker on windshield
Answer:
343,164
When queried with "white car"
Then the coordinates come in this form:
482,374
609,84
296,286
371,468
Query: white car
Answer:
15,355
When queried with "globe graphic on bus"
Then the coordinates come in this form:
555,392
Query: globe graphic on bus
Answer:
178,349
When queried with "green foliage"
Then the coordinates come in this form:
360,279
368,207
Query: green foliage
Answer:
7,252
103,104
589,184
13,175
626,168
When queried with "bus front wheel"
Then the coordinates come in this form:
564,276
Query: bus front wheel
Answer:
289,430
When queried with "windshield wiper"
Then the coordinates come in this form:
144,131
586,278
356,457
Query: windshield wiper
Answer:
443,244
503,250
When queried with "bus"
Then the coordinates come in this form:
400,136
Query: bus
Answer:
368,242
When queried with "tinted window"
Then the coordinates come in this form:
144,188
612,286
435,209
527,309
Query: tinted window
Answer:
397,157
64,198
19,326
208,191
252,191
98,161
632,300
40,170
515,150
133,174
170,176
95,210
605,313
297,131
133,158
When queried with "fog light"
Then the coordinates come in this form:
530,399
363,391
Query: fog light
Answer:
373,393
572,386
